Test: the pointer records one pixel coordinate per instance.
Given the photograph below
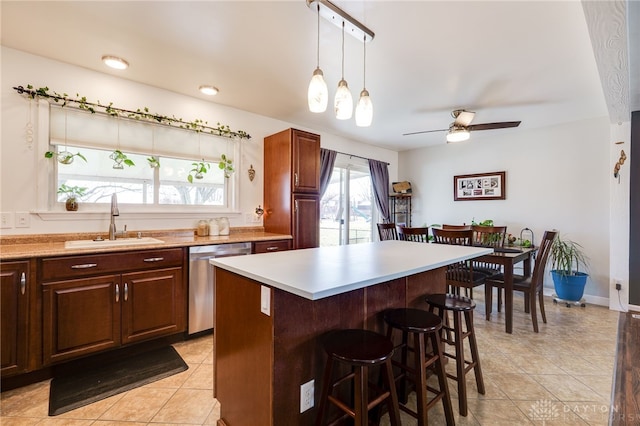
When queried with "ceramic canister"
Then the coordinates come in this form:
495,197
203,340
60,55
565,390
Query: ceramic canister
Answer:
223,222
214,227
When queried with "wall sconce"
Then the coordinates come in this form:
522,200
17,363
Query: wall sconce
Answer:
616,168
259,211
252,173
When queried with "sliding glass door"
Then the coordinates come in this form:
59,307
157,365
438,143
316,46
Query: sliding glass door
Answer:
347,209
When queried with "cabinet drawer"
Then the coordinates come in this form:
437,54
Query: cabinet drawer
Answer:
93,264
271,246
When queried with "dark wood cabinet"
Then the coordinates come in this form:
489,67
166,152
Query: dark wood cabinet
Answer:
291,186
15,288
96,302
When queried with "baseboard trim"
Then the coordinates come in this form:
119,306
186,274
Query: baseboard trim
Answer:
595,300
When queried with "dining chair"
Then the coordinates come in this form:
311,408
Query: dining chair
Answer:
532,286
418,234
387,231
460,227
489,236
461,274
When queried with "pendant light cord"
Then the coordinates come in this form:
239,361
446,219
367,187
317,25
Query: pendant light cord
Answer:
364,63
318,45
343,50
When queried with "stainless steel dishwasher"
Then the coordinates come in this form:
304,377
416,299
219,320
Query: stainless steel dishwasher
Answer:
202,284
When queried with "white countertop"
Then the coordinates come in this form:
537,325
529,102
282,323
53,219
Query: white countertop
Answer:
327,271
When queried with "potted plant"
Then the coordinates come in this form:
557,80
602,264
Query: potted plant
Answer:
567,258
118,158
198,171
73,193
64,157
226,165
154,162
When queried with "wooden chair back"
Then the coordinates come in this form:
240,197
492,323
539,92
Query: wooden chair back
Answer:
461,227
489,236
387,231
460,237
541,259
419,234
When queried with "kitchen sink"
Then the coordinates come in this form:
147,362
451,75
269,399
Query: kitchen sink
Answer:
112,243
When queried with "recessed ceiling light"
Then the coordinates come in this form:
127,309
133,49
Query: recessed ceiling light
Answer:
115,62
209,90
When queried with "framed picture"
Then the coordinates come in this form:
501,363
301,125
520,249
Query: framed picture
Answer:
480,186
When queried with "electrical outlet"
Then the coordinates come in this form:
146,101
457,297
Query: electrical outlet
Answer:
23,220
307,395
618,285
6,220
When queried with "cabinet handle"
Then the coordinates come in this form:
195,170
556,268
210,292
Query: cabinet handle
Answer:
84,266
23,283
154,259
295,179
295,205
272,248
117,293
126,292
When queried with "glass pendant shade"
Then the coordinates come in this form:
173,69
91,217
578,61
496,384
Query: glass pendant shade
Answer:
318,94
364,110
458,134
343,101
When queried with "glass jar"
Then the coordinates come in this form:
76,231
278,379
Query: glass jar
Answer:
203,228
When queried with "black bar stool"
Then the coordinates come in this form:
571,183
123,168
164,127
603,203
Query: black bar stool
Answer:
423,326
459,305
360,349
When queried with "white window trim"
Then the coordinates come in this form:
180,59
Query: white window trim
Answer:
49,209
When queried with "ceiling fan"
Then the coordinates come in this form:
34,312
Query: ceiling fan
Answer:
461,127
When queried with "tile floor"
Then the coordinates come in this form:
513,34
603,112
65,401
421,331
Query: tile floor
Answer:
561,376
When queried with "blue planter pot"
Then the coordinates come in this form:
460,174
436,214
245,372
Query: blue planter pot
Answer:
569,287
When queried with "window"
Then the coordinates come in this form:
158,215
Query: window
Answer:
179,152
347,208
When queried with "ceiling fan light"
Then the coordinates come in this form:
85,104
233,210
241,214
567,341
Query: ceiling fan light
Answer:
343,102
364,110
115,62
318,93
457,134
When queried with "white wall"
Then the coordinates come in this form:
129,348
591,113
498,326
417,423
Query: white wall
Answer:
19,162
556,178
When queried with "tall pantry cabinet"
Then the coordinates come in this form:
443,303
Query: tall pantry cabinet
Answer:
292,186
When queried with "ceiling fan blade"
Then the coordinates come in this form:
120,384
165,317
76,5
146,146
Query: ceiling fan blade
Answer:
425,131
491,126
463,118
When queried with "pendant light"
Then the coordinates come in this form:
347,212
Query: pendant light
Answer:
364,110
343,102
318,94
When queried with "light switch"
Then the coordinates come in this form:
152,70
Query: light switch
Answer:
265,300
6,220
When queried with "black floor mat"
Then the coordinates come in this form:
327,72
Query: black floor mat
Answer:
76,390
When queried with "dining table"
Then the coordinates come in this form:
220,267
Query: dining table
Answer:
507,257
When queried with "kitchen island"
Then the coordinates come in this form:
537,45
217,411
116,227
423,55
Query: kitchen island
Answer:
272,310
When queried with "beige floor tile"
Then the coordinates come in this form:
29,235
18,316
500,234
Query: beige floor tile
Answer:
19,421
214,415
201,378
56,421
176,380
550,412
494,412
29,401
595,413
186,406
117,423
565,387
138,405
521,386
600,384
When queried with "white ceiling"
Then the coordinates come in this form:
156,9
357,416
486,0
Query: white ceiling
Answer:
507,61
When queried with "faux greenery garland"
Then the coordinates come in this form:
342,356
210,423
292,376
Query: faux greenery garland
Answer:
80,102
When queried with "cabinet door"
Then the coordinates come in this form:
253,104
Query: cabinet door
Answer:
271,246
153,304
80,317
14,279
306,162
306,221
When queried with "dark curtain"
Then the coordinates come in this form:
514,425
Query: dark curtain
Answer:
380,179
327,161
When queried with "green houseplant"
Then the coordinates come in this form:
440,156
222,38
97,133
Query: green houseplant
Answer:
198,171
73,193
226,165
568,265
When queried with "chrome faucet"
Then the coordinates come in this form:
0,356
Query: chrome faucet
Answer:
114,212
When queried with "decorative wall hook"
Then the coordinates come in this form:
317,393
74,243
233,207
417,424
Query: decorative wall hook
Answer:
616,168
252,173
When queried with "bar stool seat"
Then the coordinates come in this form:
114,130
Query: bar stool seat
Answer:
360,349
423,326
455,336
